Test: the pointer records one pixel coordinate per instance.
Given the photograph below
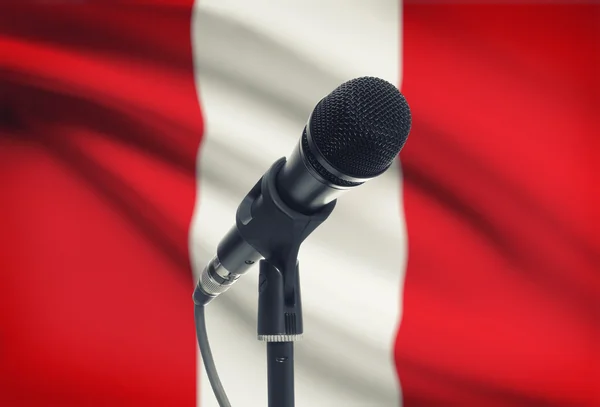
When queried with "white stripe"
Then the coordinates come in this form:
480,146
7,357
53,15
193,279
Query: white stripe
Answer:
261,66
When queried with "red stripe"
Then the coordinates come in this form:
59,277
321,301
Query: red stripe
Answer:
502,292
99,129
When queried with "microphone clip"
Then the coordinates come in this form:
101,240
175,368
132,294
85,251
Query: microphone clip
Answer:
276,231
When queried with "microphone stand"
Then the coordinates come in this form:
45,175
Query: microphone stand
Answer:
279,329
276,231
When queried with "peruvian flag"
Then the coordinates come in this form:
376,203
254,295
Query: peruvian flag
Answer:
466,275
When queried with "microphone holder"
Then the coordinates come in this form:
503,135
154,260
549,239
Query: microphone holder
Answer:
276,231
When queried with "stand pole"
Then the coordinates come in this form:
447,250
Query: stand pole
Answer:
279,324
280,370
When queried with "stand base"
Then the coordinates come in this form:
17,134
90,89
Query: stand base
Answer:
280,370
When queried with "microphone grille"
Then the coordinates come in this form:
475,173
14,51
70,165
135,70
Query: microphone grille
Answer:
361,126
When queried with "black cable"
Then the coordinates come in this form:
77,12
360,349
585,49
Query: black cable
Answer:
209,362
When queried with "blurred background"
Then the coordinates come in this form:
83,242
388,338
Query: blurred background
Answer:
466,275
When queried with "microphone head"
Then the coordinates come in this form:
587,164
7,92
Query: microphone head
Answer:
358,129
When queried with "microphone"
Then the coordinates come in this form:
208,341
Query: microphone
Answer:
353,135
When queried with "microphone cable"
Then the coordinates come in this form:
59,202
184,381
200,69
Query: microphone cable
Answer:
207,358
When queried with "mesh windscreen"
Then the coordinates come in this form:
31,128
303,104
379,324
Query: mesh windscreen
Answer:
361,126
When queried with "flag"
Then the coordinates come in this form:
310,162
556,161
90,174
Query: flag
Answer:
466,275
501,298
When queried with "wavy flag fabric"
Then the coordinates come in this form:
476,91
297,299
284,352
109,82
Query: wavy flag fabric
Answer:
100,128
501,300
467,275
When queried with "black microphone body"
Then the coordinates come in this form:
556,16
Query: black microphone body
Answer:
353,135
